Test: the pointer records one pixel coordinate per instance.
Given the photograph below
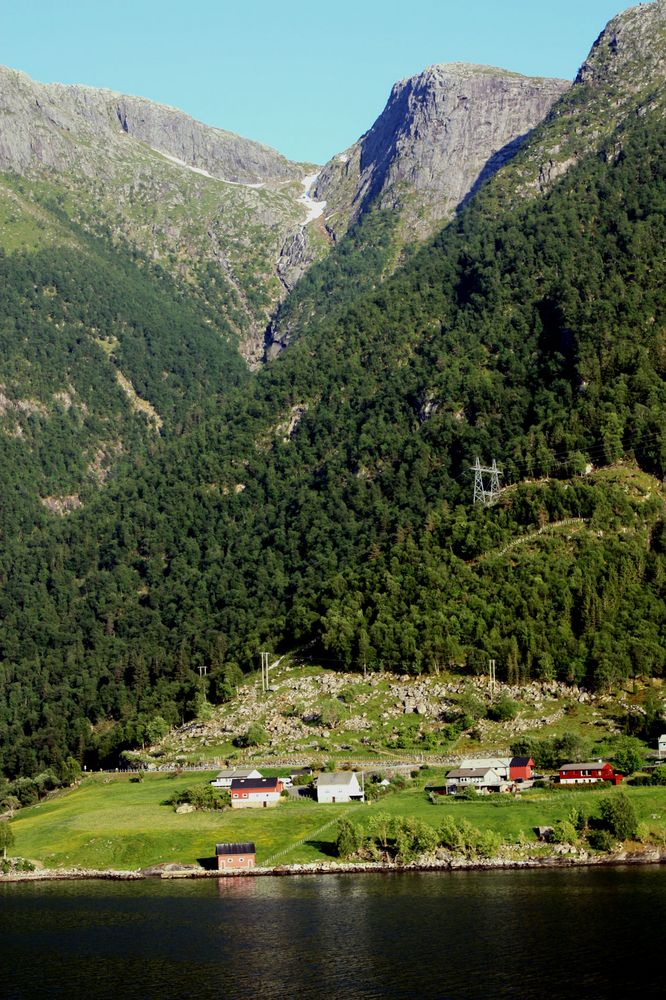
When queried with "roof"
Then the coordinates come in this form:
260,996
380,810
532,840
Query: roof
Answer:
470,772
485,762
255,784
237,772
589,765
336,778
248,848
521,761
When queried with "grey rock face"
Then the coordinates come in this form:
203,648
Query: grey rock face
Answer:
441,134
631,49
46,124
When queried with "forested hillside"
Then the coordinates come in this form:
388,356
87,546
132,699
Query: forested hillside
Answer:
329,503
325,503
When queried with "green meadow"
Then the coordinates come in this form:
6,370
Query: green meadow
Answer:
111,822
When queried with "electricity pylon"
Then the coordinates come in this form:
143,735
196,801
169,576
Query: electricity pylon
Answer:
487,497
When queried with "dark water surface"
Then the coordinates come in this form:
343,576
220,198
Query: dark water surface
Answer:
595,933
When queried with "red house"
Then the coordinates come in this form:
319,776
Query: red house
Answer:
255,793
235,856
588,773
520,768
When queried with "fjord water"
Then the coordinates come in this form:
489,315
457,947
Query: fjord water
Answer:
592,933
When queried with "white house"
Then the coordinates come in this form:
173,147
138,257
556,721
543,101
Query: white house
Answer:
224,778
477,777
339,786
499,764
661,745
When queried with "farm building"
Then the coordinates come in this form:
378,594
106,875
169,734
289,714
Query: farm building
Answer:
477,777
235,856
224,778
661,746
588,772
341,786
508,768
499,764
521,768
255,793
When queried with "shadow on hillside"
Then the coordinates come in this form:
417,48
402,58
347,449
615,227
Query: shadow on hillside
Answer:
492,165
323,846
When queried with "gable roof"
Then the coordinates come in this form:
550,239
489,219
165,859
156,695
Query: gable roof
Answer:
589,765
472,772
238,772
255,784
485,762
522,761
337,778
247,848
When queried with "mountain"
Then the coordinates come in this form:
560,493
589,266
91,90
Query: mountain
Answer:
225,215
325,502
442,134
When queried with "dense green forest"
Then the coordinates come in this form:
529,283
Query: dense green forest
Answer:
326,503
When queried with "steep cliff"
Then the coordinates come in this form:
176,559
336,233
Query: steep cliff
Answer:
440,135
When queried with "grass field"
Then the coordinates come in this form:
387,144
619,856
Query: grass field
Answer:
111,822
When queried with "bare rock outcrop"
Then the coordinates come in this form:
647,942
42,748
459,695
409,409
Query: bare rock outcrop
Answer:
47,125
441,134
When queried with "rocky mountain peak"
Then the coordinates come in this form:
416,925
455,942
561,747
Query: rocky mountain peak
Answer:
631,50
441,133
52,123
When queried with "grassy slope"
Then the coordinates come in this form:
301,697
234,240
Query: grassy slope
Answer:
110,822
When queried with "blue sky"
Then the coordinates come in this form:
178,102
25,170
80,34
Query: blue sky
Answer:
307,78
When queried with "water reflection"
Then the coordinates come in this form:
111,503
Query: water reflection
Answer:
457,936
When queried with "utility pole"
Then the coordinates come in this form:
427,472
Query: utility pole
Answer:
264,672
492,675
484,496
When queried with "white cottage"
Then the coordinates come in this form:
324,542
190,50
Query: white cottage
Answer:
339,786
661,745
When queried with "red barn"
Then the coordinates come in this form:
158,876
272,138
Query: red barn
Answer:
520,768
588,773
235,856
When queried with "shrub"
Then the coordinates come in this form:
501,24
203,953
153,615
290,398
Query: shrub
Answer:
254,737
503,709
349,838
601,840
619,816
458,836
578,818
659,775
564,832
469,793
201,796
488,843
413,838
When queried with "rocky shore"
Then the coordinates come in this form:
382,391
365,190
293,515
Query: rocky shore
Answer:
649,856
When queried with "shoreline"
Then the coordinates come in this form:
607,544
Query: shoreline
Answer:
649,857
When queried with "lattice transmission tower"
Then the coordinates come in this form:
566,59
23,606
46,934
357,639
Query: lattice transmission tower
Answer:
489,496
